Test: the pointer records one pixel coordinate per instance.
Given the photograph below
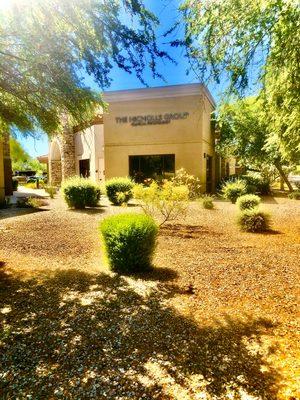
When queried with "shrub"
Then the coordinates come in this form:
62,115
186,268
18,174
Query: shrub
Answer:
254,220
31,202
248,201
207,202
167,201
119,190
129,241
81,192
256,184
51,190
231,190
15,184
295,195
182,178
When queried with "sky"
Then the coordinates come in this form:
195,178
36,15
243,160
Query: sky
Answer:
167,12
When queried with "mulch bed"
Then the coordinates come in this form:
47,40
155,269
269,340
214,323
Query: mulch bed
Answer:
216,318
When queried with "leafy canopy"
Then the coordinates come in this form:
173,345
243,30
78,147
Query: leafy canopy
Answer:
48,46
251,44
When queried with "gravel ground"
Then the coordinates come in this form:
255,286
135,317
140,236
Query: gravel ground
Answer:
216,319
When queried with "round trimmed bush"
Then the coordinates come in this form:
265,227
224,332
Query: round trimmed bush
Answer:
119,190
207,202
231,190
129,241
254,220
81,192
248,201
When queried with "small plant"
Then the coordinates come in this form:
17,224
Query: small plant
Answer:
248,201
34,202
295,195
167,201
254,220
81,192
31,202
182,178
231,190
129,241
119,190
51,190
207,202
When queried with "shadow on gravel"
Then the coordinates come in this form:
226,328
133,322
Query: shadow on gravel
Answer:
89,211
18,212
95,336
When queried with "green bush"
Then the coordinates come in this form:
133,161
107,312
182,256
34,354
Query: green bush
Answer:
231,190
129,241
15,184
119,190
248,201
256,184
295,195
207,202
254,220
31,202
81,192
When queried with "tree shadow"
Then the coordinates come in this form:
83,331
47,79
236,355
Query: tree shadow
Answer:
19,211
77,335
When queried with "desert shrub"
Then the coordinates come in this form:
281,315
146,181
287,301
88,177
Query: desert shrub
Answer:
51,190
15,184
254,220
119,190
207,202
248,201
81,192
231,190
256,184
182,178
31,202
295,195
167,202
129,241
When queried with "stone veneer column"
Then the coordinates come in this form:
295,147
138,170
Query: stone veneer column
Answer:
7,166
67,152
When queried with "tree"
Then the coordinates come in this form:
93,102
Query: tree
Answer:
244,134
48,46
251,44
21,160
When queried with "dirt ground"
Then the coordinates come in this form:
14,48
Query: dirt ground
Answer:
218,317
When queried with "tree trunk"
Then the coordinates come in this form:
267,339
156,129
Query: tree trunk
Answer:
283,175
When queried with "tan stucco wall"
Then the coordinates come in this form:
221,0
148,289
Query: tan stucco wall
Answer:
187,138
89,144
2,188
